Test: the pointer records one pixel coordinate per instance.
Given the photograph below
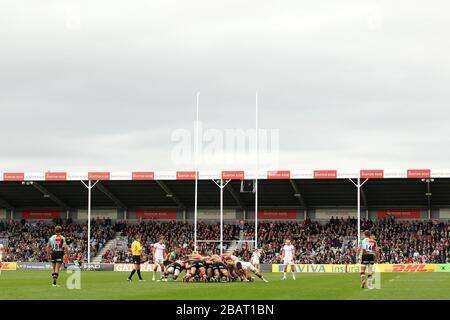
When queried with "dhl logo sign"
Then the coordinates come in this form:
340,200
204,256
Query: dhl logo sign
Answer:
409,268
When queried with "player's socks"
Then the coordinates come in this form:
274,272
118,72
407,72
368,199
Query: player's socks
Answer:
139,274
363,280
293,275
154,276
54,276
132,274
369,281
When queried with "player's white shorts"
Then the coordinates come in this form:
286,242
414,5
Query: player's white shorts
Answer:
287,261
1,258
159,260
248,266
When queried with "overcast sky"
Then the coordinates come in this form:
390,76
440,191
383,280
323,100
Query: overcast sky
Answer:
103,85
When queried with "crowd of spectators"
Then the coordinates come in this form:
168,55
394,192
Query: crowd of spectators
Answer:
316,242
28,241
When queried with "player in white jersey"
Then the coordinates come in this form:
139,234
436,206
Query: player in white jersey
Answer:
287,256
159,252
368,251
233,266
247,267
256,257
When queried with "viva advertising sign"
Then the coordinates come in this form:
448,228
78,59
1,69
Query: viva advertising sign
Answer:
318,268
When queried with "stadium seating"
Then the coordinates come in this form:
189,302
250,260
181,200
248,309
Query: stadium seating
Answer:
331,242
27,241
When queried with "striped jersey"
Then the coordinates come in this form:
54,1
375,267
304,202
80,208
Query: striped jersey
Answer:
368,246
57,242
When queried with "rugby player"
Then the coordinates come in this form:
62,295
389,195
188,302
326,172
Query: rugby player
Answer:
256,258
234,267
56,249
369,250
219,269
172,263
159,250
248,267
174,269
287,256
196,268
136,251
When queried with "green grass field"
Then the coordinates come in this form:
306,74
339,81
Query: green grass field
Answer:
113,285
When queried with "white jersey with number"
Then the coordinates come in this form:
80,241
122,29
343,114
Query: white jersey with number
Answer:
368,246
288,253
159,252
1,251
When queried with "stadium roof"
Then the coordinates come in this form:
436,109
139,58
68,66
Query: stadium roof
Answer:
282,191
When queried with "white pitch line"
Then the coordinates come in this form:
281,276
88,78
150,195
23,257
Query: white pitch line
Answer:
394,278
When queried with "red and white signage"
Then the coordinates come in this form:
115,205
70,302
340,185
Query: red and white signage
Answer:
233,175
163,214
186,175
418,173
372,174
236,174
399,213
280,174
277,214
56,176
13,176
325,174
99,176
150,175
40,214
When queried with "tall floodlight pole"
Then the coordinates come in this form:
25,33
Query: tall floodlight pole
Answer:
89,186
257,170
196,172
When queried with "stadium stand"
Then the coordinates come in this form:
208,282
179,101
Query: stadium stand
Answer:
27,241
331,242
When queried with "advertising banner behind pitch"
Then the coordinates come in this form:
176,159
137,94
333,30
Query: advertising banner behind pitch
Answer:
8,266
40,214
277,214
399,213
128,267
337,268
156,214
